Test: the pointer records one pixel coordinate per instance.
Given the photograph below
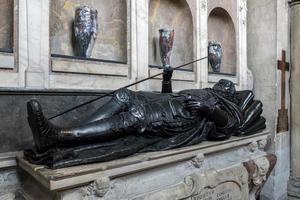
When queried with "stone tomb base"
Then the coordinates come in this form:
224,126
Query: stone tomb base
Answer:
230,170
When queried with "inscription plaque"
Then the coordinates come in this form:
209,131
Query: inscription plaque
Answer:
225,191
225,184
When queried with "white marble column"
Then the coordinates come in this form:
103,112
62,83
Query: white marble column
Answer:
37,73
294,182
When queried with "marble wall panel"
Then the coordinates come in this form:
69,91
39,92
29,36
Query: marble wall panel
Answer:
6,23
172,14
111,41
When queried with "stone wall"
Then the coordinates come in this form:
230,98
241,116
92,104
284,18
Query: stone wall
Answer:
267,35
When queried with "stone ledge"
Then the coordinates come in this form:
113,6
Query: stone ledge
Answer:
8,159
214,78
71,177
7,61
88,67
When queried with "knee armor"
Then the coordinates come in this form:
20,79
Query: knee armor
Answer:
123,97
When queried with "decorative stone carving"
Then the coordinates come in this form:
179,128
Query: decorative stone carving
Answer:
203,4
213,184
8,178
98,188
198,161
258,172
243,10
262,144
253,146
257,145
261,171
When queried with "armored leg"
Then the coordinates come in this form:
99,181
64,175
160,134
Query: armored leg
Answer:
120,102
47,135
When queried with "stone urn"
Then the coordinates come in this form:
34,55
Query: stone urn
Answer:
166,40
215,55
85,30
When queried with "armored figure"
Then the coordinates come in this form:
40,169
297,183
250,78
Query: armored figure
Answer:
132,122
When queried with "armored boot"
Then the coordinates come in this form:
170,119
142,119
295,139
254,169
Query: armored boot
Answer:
45,134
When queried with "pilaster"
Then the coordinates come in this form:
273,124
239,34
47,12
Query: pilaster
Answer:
294,182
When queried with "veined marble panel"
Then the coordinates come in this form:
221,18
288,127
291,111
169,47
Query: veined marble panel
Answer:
6,23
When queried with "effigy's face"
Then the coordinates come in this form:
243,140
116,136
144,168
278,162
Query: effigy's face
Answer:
225,86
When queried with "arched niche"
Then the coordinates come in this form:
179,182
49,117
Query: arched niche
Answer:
171,14
221,29
111,43
7,25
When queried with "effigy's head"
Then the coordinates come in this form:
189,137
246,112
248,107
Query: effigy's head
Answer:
225,88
